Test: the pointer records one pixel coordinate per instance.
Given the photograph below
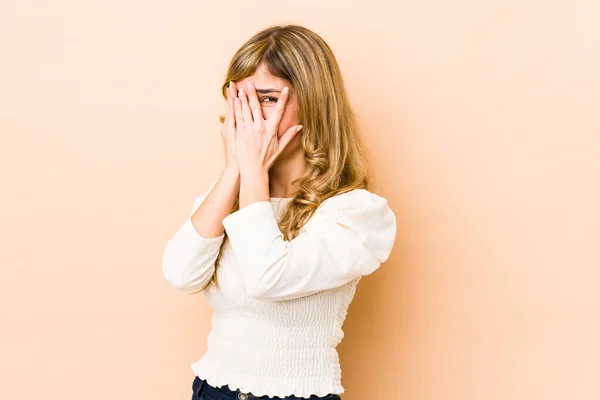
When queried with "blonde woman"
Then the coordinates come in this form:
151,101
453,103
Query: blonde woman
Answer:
280,240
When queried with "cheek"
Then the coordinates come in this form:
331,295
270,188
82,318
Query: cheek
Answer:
287,121
290,118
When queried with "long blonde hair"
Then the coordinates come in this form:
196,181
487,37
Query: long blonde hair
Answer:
336,158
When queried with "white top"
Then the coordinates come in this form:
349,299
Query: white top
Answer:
279,315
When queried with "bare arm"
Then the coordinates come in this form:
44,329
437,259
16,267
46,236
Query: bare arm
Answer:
189,257
207,219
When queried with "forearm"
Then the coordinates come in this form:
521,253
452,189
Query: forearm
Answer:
254,186
218,204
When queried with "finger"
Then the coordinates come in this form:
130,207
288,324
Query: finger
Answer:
280,106
254,103
237,111
288,136
227,96
233,89
246,113
229,117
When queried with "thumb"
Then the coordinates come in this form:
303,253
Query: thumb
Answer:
288,136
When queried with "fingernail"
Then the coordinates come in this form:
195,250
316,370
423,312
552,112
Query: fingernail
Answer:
299,128
285,89
240,92
248,84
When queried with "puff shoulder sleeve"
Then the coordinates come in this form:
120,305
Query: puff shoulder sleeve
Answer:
348,236
188,261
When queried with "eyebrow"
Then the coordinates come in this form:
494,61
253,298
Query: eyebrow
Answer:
267,91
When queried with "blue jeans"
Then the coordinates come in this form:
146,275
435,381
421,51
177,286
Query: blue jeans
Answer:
201,390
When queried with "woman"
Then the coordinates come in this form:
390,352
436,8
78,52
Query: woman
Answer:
279,242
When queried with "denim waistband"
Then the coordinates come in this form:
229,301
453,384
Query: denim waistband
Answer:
203,391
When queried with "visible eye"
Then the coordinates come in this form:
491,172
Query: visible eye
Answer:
268,100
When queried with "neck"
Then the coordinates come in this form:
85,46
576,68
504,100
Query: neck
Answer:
283,172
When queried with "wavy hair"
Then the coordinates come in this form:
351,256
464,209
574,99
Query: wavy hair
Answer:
336,158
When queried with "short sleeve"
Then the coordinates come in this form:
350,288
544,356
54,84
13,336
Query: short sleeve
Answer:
348,236
189,258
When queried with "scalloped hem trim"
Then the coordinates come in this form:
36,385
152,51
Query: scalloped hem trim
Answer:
258,385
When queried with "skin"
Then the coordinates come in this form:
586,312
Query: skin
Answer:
261,136
263,153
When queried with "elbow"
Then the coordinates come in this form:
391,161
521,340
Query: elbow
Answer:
274,293
180,277
258,287
255,287
257,292
183,282
264,286
262,283
188,261
175,280
265,283
174,276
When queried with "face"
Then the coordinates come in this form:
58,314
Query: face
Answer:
268,88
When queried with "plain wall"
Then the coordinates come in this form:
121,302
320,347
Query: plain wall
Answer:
483,122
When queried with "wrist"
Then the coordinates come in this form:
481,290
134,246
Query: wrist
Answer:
254,171
231,167
254,186
231,173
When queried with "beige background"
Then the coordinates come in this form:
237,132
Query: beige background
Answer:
483,120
